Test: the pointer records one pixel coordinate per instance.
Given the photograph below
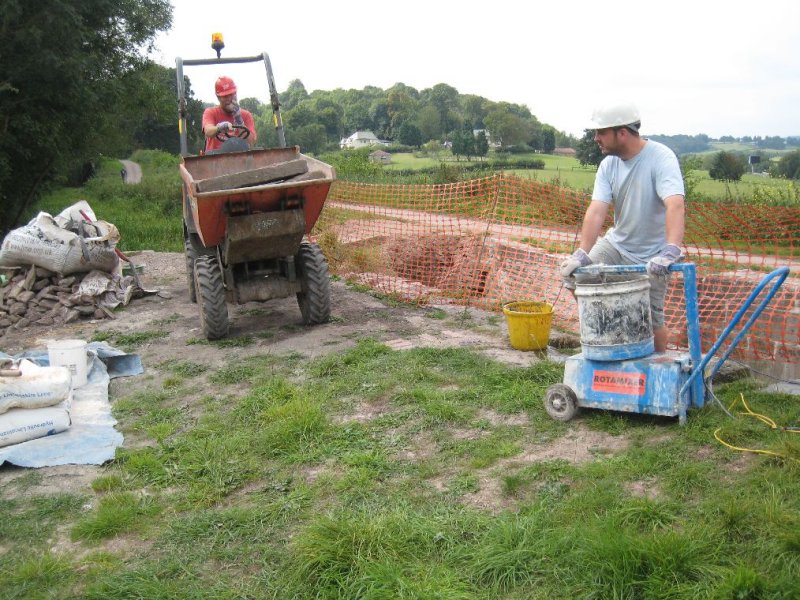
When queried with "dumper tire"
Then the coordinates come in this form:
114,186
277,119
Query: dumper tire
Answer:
191,256
561,402
315,298
210,292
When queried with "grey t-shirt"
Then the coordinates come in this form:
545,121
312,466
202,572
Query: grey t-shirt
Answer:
636,188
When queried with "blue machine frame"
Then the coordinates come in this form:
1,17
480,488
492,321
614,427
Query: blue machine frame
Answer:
662,383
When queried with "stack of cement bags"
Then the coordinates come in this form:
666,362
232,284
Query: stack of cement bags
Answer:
34,401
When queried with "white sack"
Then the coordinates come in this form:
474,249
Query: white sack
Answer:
49,243
37,387
23,424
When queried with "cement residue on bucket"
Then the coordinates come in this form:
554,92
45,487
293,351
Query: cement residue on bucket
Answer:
614,316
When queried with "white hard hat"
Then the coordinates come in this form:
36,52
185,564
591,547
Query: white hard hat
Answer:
616,115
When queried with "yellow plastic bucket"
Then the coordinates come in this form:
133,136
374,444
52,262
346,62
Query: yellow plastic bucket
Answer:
528,324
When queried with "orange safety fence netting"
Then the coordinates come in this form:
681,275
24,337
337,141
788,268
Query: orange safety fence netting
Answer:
499,239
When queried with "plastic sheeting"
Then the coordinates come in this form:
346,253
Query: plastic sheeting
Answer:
92,438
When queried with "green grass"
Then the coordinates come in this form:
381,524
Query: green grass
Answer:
750,186
406,160
558,170
744,148
373,473
130,341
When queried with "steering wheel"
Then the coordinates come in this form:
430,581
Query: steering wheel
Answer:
240,131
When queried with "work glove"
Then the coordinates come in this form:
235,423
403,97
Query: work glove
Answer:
658,266
224,126
579,258
237,116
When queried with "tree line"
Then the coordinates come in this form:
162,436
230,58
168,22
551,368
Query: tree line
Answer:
74,85
403,115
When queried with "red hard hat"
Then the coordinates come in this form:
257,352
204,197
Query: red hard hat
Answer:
225,86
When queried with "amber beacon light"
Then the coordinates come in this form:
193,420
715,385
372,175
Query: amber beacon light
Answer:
217,43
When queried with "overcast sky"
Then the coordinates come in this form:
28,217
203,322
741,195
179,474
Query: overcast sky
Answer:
715,67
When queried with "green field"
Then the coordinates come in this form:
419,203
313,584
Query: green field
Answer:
568,172
749,186
744,148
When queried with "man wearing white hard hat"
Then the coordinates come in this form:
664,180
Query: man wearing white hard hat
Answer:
642,180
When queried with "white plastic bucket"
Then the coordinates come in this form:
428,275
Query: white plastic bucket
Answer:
70,354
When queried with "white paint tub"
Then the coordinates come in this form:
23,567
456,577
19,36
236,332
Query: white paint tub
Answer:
71,354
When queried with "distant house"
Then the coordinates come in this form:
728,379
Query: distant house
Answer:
360,139
492,142
380,156
565,152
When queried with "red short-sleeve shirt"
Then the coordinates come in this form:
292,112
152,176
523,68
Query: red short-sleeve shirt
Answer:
215,114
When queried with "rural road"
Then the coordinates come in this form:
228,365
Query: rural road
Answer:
134,171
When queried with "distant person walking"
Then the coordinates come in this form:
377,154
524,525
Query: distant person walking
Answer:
124,174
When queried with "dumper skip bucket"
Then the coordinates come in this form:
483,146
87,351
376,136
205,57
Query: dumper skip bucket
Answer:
528,324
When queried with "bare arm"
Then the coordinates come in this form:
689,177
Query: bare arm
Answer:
592,223
210,131
675,219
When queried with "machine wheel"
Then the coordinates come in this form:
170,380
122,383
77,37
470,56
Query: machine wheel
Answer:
560,402
191,256
315,297
210,293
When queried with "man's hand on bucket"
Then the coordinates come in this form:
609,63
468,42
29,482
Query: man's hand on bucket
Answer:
579,258
658,266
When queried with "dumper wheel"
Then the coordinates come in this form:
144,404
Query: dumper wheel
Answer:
560,402
210,293
191,256
315,297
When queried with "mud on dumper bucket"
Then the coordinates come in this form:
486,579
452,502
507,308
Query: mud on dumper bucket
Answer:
528,324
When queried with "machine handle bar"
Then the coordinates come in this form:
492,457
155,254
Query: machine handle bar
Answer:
605,269
781,274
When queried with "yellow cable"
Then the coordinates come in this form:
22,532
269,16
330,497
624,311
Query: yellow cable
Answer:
750,413
754,450
764,419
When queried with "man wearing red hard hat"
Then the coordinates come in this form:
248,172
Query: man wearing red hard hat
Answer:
227,119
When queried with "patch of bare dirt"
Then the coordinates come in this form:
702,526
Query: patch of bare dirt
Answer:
645,488
578,445
365,411
17,482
